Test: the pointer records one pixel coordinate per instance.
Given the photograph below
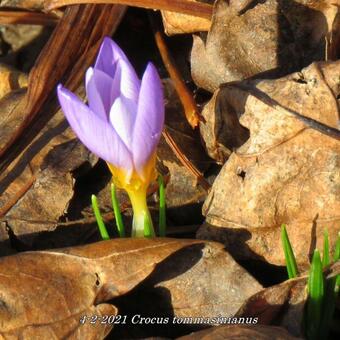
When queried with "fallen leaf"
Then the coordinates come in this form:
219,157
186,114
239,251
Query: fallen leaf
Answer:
221,130
200,281
178,23
285,173
46,293
232,332
283,304
24,4
10,80
272,37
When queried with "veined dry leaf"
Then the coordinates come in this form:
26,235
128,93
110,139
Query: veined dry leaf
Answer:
19,36
177,23
52,157
45,293
285,173
240,332
23,4
276,37
283,304
10,80
200,281
199,9
221,130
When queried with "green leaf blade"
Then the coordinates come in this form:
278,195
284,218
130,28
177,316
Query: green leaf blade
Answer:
291,265
162,207
117,213
325,255
101,226
315,297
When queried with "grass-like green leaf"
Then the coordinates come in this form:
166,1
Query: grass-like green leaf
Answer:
315,297
289,254
148,227
336,256
325,253
331,295
162,208
116,211
102,229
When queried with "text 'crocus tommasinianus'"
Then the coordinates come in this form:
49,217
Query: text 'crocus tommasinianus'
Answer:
121,124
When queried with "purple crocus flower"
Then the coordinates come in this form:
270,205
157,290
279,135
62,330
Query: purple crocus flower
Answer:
121,124
124,118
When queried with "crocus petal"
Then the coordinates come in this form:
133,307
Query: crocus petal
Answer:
96,133
150,118
101,91
122,118
129,82
109,54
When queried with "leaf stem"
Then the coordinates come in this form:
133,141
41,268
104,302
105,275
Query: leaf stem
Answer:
101,226
289,254
116,210
162,207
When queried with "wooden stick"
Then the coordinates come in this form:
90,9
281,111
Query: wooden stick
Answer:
185,96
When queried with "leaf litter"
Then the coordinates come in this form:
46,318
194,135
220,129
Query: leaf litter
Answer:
260,149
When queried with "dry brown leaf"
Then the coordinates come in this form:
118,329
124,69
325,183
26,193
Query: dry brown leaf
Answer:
27,18
200,281
221,130
241,332
21,36
276,37
285,173
283,304
182,6
24,4
177,23
36,189
46,293
10,80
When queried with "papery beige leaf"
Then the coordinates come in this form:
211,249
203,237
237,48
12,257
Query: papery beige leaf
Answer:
285,173
221,130
45,293
195,285
284,303
241,332
178,23
270,37
10,80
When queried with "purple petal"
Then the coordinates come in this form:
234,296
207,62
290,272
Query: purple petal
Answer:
129,82
150,118
97,134
122,118
101,91
109,54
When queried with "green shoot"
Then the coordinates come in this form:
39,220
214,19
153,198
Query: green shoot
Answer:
162,208
116,210
148,227
289,254
325,254
102,229
337,249
315,297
